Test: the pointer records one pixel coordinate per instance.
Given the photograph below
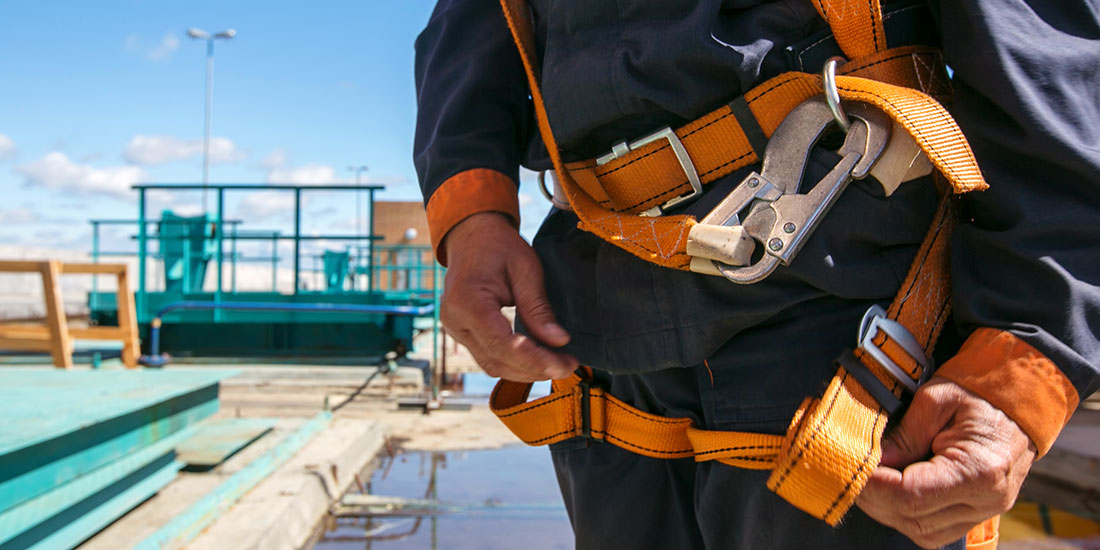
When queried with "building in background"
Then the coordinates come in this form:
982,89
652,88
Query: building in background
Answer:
403,256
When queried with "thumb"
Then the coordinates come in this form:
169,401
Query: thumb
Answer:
911,440
532,305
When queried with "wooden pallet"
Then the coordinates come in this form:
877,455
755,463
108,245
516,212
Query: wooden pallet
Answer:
55,335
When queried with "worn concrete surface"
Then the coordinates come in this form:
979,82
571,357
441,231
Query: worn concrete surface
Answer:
285,509
282,511
179,495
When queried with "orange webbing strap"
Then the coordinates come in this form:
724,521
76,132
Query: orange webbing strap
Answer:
663,240
856,25
834,442
562,415
716,143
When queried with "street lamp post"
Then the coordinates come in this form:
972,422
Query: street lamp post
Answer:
199,34
358,214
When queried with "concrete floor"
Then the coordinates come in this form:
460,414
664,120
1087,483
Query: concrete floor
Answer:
284,509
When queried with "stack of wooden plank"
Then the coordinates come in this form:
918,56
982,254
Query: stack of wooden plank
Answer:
78,449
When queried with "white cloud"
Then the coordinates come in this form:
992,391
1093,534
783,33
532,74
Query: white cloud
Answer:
264,204
164,50
275,159
154,150
159,52
307,174
7,148
56,171
15,216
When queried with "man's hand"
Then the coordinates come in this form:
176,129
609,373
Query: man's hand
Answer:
491,266
979,460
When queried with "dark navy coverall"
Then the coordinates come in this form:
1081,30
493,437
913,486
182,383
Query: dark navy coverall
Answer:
1027,96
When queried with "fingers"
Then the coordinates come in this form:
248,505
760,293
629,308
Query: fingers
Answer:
912,439
479,325
923,507
981,458
532,306
492,267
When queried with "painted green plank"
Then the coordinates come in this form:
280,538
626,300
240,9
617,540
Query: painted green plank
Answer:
187,525
42,404
63,424
26,515
39,468
215,441
99,511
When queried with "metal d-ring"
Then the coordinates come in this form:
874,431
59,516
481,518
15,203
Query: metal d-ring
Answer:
542,186
832,96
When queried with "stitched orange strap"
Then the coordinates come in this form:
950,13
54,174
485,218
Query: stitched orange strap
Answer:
857,26
834,441
663,240
559,416
716,143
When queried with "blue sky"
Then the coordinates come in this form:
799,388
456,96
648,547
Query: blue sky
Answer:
99,95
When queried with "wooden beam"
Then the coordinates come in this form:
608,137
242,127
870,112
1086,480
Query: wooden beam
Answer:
25,331
94,269
98,333
25,344
21,266
55,335
127,320
62,345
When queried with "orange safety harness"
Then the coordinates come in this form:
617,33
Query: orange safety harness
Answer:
834,441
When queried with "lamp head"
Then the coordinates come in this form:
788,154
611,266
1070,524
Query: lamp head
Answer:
198,34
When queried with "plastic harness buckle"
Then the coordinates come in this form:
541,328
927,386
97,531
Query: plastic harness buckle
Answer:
585,387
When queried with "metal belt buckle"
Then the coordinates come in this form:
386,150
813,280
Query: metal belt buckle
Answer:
622,148
767,204
875,320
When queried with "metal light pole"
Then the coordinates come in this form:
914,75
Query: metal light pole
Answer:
199,34
358,214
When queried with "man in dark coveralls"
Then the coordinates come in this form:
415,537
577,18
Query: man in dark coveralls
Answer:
1025,263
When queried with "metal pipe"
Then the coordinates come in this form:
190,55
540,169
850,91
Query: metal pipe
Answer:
233,260
297,234
155,325
370,244
94,305
207,119
141,254
219,239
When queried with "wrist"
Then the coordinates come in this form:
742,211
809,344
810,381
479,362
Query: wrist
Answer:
475,231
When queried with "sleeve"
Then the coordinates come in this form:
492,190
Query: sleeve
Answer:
473,115
1026,259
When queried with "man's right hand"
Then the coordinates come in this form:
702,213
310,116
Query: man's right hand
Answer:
490,266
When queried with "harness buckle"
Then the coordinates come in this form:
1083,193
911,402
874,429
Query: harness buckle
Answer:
875,320
622,148
586,386
767,204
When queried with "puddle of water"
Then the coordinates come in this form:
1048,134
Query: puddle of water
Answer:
504,498
479,384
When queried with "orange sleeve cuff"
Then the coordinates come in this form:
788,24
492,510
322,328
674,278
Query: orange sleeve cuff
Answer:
465,194
1016,378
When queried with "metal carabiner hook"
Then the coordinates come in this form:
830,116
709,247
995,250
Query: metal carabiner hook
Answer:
832,95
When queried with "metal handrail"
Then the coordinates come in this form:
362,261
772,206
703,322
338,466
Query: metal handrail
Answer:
158,319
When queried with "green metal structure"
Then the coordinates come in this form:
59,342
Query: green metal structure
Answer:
363,303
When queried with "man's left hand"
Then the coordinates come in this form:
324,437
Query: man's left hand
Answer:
979,458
